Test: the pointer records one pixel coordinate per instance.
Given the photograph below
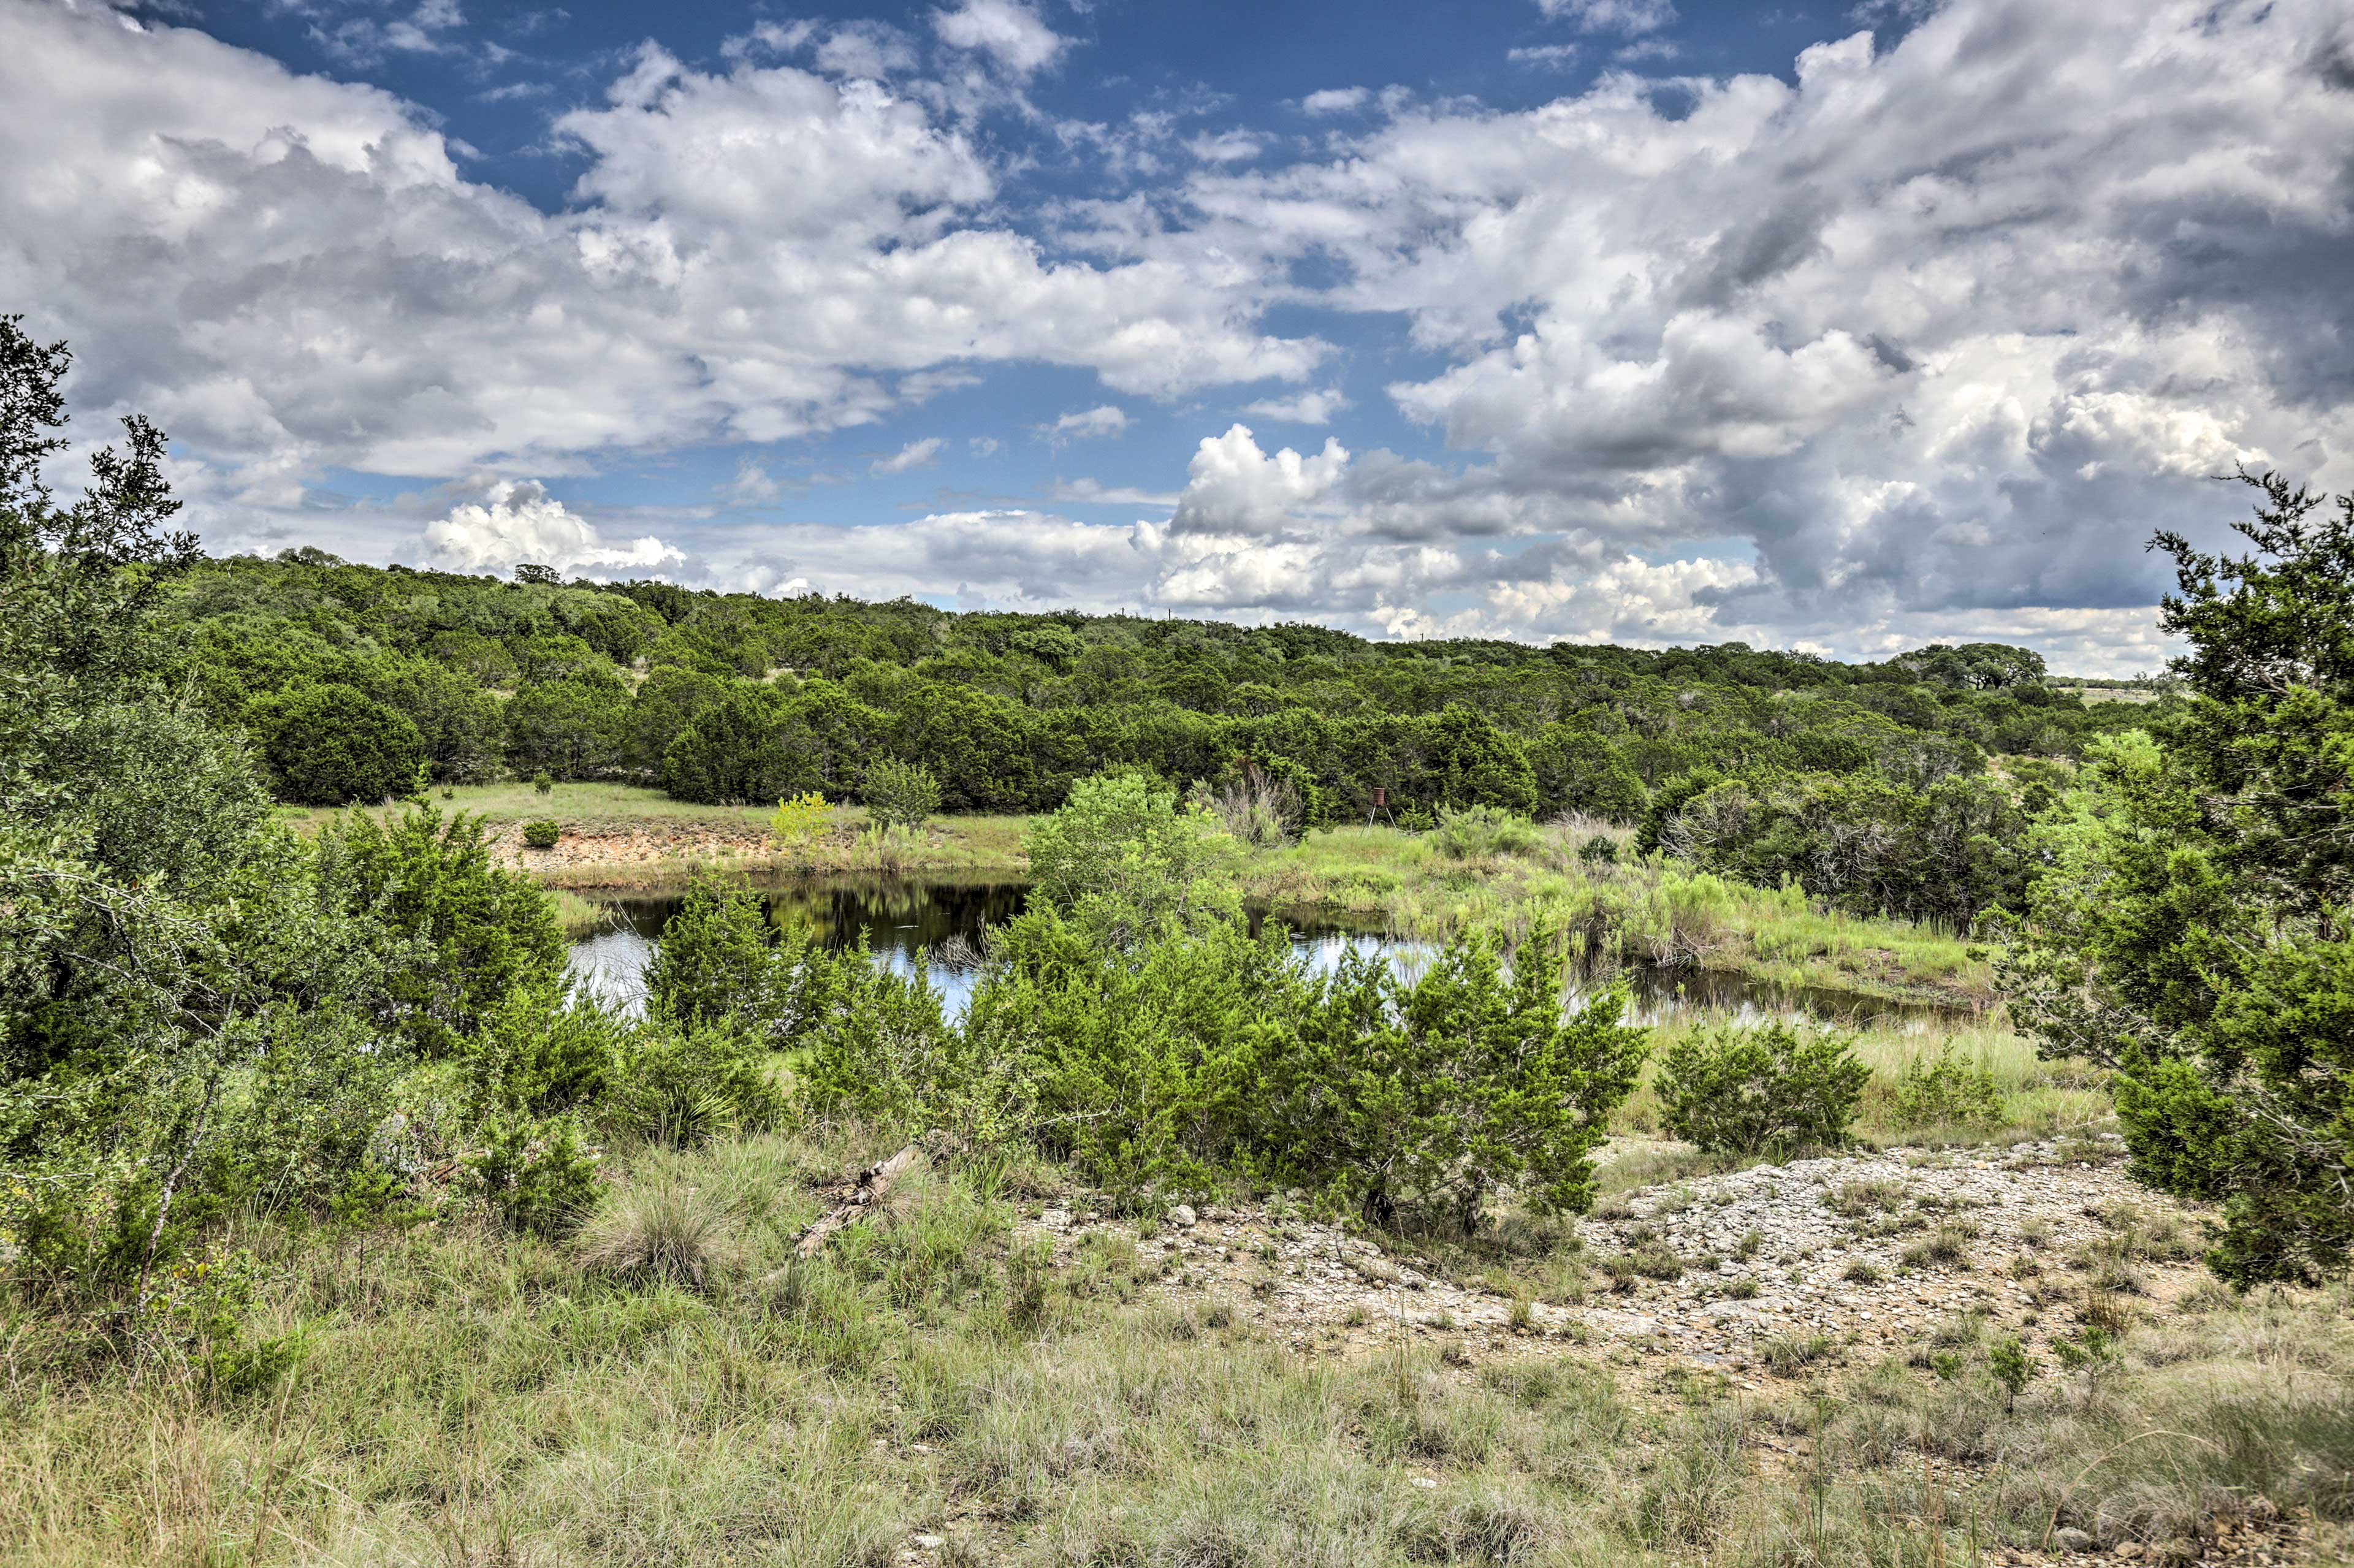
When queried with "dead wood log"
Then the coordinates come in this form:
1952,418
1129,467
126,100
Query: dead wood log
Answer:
873,1185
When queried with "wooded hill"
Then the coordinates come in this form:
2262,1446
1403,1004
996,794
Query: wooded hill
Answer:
347,678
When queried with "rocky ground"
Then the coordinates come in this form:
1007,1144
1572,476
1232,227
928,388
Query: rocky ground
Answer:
1869,1251
1762,1278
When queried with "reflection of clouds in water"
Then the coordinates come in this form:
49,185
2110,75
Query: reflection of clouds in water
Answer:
609,968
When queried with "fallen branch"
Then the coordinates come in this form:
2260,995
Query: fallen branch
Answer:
873,1184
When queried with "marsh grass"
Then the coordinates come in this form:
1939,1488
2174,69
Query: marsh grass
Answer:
1632,909
578,916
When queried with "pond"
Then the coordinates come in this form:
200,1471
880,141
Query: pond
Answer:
902,915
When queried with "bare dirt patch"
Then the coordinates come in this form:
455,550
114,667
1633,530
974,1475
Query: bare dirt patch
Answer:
625,850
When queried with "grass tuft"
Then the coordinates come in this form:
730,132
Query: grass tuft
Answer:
664,1232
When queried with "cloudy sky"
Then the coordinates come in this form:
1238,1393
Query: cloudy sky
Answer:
1650,320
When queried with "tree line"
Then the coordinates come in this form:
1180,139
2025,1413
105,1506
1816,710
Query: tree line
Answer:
1898,785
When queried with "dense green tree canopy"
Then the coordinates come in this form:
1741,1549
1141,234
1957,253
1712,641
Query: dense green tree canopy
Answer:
1008,710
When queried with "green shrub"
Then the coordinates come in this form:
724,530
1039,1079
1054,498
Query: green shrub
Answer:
1124,856
331,744
536,1176
541,783
685,1084
539,1057
1136,1062
454,932
900,794
1380,1089
1477,832
714,961
542,834
2012,1367
1177,1060
1943,1090
798,819
1768,1090
1600,849
882,1051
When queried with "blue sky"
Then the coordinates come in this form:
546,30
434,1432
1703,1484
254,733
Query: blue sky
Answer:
1831,327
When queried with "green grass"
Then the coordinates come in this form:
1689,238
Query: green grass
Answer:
672,1387
1648,911
576,804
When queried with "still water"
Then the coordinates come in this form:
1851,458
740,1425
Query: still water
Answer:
900,917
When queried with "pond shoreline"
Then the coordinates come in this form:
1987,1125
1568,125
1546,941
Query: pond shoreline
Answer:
952,904
620,843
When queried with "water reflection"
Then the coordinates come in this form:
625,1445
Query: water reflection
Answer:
897,918
900,917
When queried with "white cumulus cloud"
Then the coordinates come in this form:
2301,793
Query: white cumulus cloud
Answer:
517,521
1611,16
1315,407
1336,99
1234,487
1008,31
